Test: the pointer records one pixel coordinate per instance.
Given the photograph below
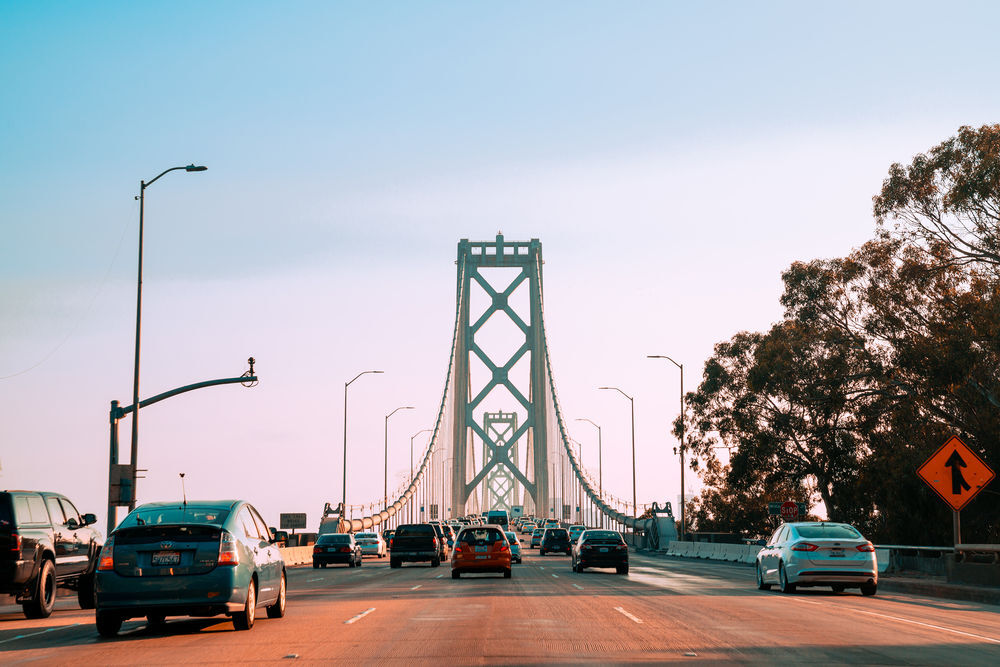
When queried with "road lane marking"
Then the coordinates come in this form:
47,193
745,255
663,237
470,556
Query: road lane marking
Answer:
627,615
316,579
359,616
416,587
578,586
40,632
993,640
439,576
556,576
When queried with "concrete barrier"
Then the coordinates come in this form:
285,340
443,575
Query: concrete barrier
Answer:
296,555
883,558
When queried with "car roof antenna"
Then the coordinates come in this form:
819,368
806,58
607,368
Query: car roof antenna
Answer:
183,491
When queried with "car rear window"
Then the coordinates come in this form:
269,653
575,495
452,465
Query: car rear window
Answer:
829,530
366,535
156,516
334,539
481,536
603,537
557,532
421,530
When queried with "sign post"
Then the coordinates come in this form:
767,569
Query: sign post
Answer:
957,475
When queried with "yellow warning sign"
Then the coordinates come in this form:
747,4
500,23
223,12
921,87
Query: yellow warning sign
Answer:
956,473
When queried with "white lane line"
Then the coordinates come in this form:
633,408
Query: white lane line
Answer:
40,632
993,640
416,587
578,586
439,576
627,615
556,576
541,567
359,616
316,579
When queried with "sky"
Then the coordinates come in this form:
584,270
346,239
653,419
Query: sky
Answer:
672,158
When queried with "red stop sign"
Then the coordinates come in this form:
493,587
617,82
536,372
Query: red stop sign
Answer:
789,511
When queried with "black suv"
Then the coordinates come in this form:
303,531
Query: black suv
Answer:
554,539
45,542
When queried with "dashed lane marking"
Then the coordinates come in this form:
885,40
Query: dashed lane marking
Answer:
556,576
357,618
578,586
40,632
628,615
416,587
439,576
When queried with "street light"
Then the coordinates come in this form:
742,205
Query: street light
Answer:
681,367
346,385
138,319
600,465
426,430
630,400
386,478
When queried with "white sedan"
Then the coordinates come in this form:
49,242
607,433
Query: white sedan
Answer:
372,544
815,553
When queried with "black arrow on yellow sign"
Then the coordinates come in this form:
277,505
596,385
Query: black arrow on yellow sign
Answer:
958,483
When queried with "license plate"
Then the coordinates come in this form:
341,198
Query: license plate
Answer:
481,557
166,558
480,550
603,550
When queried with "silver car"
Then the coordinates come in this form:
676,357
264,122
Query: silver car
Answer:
515,546
817,554
372,544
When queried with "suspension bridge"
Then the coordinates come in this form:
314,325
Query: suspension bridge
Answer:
500,437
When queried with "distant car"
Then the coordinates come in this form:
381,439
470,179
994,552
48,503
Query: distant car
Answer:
372,544
481,549
443,548
46,543
600,548
574,532
387,535
193,558
515,546
817,554
336,548
527,528
414,542
499,518
536,537
449,535
554,540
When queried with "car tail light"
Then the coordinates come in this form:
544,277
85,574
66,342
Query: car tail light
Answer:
15,543
503,548
345,550
228,555
805,546
866,547
107,559
317,550
390,541
435,542
458,550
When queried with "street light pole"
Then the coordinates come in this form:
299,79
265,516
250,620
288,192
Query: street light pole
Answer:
681,367
632,402
346,385
138,319
385,482
426,430
600,464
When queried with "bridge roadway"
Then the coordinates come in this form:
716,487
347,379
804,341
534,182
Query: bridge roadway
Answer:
665,610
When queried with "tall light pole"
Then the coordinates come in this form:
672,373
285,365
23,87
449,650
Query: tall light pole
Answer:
681,367
600,464
426,430
346,385
632,402
444,481
138,319
385,479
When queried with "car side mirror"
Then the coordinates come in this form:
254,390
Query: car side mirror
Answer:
72,524
89,519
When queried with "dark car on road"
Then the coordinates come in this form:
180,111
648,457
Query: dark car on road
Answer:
44,543
414,542
554,539
600,548
194,558
336,548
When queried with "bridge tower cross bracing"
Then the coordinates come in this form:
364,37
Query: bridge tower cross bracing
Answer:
526,258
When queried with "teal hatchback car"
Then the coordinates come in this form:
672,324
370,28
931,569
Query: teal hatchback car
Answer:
200,558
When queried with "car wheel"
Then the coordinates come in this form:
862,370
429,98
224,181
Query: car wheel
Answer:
45,593
506,573
838,588
868,588
277,610
85,593
541,551
351,563
315,565
108,624
622,569
394,563
455,574
783,583
244,620
436,561
761,586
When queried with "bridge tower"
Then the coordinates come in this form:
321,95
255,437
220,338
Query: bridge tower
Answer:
500,468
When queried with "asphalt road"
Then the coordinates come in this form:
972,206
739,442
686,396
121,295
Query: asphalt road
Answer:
665,610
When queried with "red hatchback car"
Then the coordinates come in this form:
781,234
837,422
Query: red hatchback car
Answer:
481,549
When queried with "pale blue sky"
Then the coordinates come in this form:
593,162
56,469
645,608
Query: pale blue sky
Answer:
672,158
